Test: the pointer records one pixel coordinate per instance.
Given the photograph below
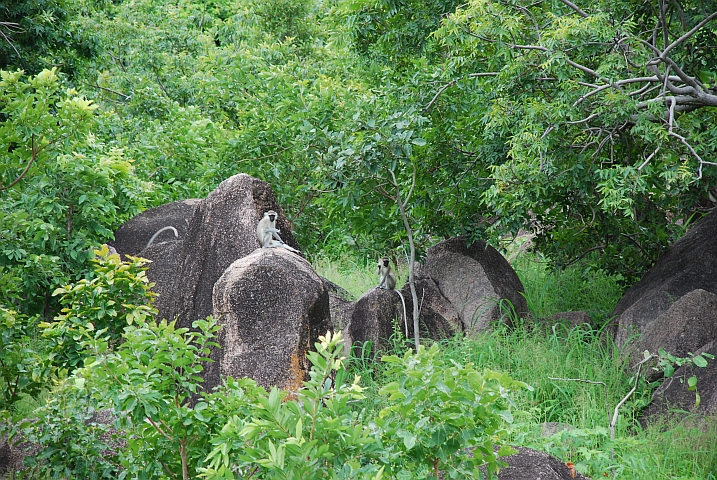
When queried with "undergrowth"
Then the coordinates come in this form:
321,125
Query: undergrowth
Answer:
558,363
575,378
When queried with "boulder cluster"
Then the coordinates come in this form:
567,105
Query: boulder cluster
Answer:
273,306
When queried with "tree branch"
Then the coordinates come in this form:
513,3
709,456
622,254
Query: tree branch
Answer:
577,9
33,157
453,82
688,34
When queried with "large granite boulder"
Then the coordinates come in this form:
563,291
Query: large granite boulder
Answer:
341,305
272,307
133,236
689,324
437,319
689,264
376,316
673,395
477,280
162,272
222,229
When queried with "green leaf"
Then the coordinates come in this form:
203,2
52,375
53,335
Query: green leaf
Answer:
700,361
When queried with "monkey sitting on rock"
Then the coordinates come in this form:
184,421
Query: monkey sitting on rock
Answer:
268,234
388,282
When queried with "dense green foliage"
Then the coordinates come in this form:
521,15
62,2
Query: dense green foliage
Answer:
151,383
496,116
379,421
592,126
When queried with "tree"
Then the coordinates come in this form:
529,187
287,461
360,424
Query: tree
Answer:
378,160
62,191
607,114
39,34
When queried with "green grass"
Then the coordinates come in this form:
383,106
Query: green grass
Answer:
556,361
357,278
581,287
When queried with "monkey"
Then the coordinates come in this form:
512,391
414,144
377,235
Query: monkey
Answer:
385,272
268,234
163,229
388,282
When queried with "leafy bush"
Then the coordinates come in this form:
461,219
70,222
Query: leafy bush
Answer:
72,442
23,370
306,434
62,192
101,307
447,416
152,381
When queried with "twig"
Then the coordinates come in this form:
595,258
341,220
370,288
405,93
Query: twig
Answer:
453,82
126,97
688,34
33,157
11,28
621,402
649,158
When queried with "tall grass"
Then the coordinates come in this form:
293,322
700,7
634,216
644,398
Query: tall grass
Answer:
355,276
559,363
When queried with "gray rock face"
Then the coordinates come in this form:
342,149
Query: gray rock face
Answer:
689,264
373,319
341,305
162,272
529,464
689,324
132,237
674,394
222,229
273,308
475,280
438,318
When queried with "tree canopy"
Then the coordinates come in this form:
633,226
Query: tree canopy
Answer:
592,126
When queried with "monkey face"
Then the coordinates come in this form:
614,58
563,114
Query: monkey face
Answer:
272,215
385,262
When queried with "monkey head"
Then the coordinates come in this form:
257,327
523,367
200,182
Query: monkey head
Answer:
272,215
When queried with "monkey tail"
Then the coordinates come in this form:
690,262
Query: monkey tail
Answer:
405,320
163,229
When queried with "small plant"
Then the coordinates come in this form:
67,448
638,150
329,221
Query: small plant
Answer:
447,416
150,380
668,363
117,295
23,370
315,435
72,443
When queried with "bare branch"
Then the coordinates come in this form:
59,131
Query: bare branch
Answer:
688,34
532,17
583,68
689,147
125,96
584,120
620,403
453,82
577,9
11,28
647,160
34,153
